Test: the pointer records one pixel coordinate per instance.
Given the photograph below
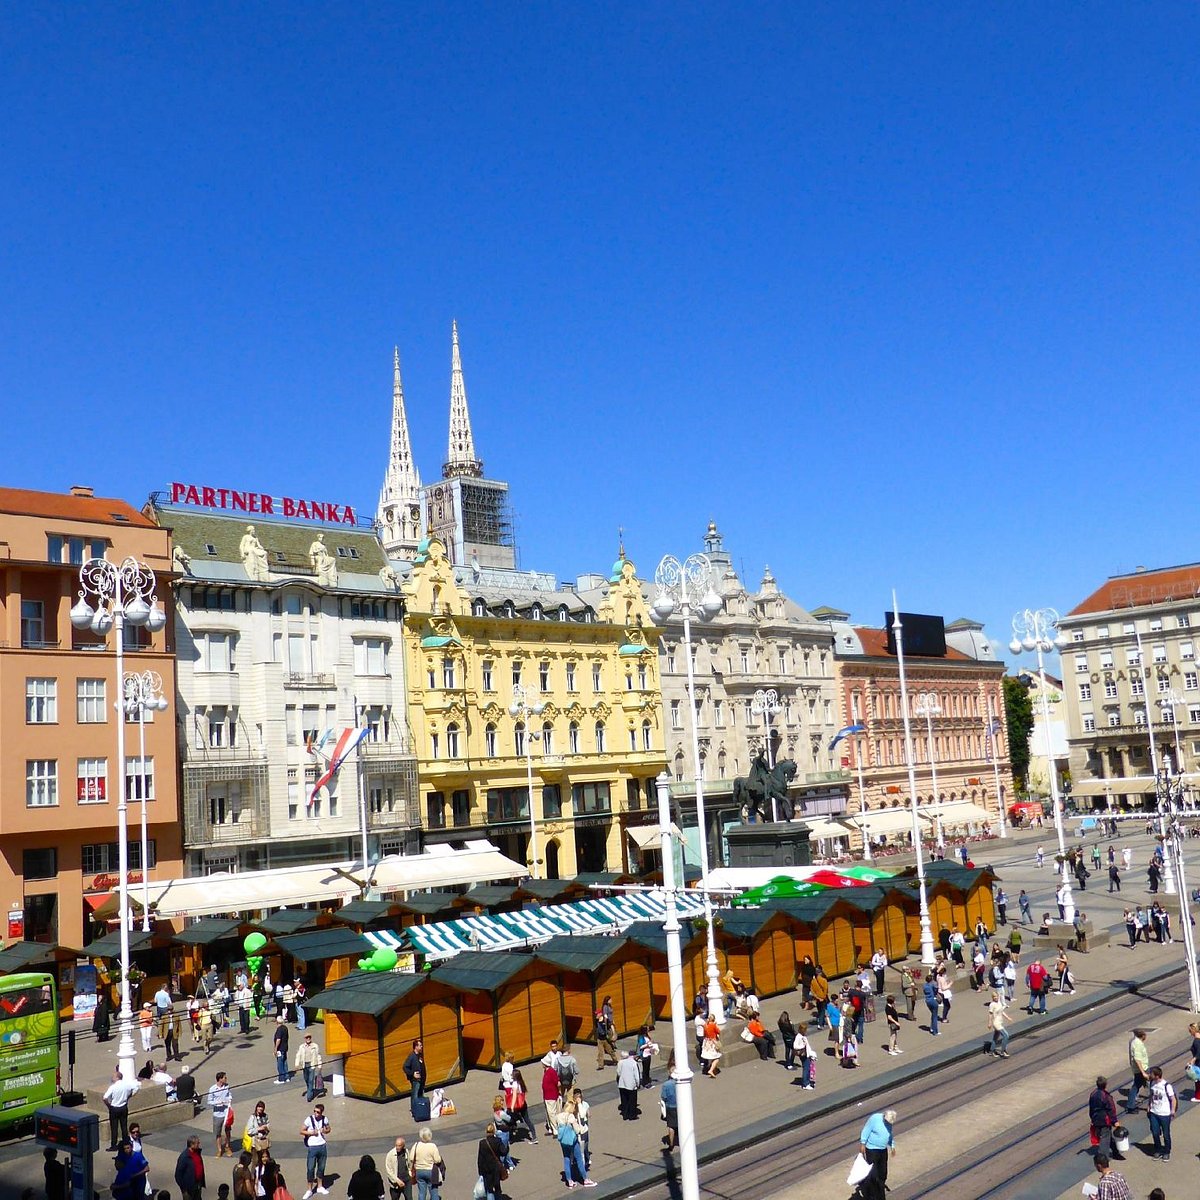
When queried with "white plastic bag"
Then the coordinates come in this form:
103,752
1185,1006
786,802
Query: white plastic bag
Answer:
859,1170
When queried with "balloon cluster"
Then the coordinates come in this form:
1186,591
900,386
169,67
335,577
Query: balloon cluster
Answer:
382,959
252,945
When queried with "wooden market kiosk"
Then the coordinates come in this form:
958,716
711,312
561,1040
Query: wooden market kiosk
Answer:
320,956
759,948
209,940
593,968
509,1003
372,1019
649,936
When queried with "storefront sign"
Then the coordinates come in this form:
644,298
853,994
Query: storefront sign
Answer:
90,790
16,924
261,503
106,882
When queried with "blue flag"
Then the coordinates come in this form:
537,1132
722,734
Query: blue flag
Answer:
841,733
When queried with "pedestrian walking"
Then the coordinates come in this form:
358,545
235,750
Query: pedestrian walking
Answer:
647,1048
189,1170
489,1162
808,972
1161,1108
1066,982
628,1084
932,1001
1114,878
315,1132
787,1039
710,1050
820,996
877,1140
668,1097
1037,980
116,1099
1193,1070
997,1019
415,1073
426,1166
308,1062
572,1151
279,1043
580,1109
606,1043
516,1096
552,1095
893,1025
206,1019
1139,1066
243,1177
1026,909
220,1102
1002,906
243,997
395,1170
366,1183
1040,856
1102,1113
945,986
132,1170
806,1056
1127,857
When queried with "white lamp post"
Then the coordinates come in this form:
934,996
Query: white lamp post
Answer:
687,588
862,797
520,707
1168,871
1037,629
1172,700
927,706
1169,789
143,693
928,957
765,703
689,1168
124,593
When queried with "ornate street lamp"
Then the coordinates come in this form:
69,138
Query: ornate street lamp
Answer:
1168,788
124,594
765,703
687,588
1037,629
522,708
143,693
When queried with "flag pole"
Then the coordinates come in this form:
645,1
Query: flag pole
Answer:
362,796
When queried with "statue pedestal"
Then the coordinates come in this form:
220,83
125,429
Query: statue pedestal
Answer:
771,844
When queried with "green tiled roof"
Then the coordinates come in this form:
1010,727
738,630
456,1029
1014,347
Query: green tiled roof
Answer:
205,931
319,945
369,992
481,970
287,920
576,953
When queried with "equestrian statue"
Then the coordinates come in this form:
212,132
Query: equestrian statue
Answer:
753,793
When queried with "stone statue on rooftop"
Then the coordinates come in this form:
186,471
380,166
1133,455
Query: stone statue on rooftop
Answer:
254,557
323,562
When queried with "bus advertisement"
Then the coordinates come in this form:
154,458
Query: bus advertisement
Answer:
29,1046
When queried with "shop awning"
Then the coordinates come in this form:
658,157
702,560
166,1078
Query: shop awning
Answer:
22,955
883,820
820,830
961,812
1129,785
252,891
649,837
206,931
109,946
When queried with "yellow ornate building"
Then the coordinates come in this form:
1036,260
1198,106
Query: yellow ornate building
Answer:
511,676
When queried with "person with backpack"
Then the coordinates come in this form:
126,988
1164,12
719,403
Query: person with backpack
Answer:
1162,1107
1037,980
567,1134
606,1042
315,1132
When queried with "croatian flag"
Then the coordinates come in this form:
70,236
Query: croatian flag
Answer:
346,744
841,733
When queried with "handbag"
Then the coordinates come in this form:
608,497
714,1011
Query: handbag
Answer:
859,1170
247,1142
746,1035
503,1168
1193,1072
479,1191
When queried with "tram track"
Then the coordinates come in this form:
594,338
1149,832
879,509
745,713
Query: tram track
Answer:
829,1139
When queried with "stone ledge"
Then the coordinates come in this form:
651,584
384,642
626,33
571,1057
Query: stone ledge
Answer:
148,1106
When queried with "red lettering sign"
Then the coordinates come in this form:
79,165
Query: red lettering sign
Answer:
259,502
106,882
16,924
90,791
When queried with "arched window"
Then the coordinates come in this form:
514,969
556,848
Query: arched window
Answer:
452,741
633,743
599,737
547,738
489,740
479,608
573,737
519,738
647,736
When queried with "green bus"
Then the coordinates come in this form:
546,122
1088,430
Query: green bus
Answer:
29,1046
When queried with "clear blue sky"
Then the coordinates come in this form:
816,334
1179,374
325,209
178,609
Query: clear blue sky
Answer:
900,298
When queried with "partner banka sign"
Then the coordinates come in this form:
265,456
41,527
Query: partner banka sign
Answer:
262,504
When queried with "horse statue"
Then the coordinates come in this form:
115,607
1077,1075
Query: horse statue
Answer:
753,793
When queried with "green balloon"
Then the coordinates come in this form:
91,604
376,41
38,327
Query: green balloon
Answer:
254,942
381,959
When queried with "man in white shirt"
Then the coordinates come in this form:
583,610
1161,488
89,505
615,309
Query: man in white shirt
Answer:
243,998
315,1132
879,962
116,1099
220,1098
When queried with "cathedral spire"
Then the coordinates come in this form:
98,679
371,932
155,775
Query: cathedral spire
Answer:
461,459
399,512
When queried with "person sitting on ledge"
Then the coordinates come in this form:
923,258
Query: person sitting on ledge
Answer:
1044,929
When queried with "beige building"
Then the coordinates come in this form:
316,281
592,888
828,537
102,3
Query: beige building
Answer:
1129,674
760,641
59,775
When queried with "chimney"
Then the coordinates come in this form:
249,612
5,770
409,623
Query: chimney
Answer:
81,489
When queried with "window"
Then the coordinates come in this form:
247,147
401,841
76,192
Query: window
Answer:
1133,656
828,710
782,662
1106,660
547,738
1081,664
371,656
435,744
719,713
41,701
570,677
1191,679
745,660
1187,651
460,807
1164,685
369,610
222,726
599,737
215,651
1194,715
671,660
642,677
139,775
591,798
489,740
1077,635
508,804
452,740
1182,621
1160,652
516,673
478,608
448,674
487,677
573,737
435,811
519,738
1085,691
1102,631
91,781
104,858
647,736
544,676
597,678
1110,689
39,864
1155,624
633,741
1136,686
89,701
41,782
1114,719
33,624
1089,722
676,718
1139,718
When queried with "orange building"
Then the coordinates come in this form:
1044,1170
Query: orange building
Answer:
58,736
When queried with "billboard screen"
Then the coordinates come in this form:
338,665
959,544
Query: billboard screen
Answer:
924,636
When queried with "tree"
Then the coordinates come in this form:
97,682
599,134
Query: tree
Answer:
1018,710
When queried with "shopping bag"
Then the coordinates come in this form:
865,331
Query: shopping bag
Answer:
859,1170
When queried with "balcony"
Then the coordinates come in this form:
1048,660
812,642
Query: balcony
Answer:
308,679
208,822
394,747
